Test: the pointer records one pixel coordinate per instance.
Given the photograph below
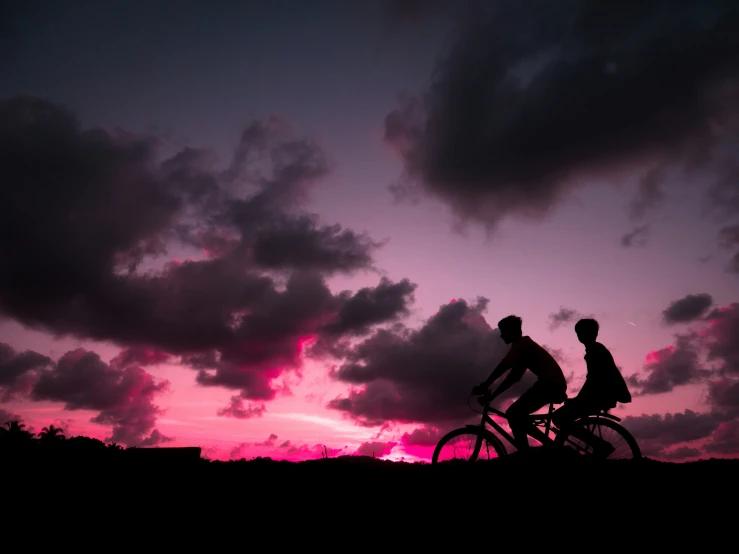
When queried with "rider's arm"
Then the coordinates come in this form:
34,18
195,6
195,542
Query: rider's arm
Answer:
513,377
505,364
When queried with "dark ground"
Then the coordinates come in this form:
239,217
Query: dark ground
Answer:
619,503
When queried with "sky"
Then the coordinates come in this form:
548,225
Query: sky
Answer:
290,230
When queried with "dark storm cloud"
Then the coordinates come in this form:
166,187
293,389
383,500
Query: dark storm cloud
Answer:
665,436
422,375
141,356
561,317
369,306
18,371
721,338
375,449
729,239
670,367
723,395
98,214
638,236
649,195
272,336
725,439
237,409
360,312
122,396
682,452
729,235
687,309
535,96
301,243
655,433
679,364
421,436
6,416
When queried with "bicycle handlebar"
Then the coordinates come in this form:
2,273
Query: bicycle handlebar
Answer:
486,397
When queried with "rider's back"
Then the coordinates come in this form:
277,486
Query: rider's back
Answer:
527,353
604,381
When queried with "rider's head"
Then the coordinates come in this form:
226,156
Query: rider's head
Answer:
587,330
510,328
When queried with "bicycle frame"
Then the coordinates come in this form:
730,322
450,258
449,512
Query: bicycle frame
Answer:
536,421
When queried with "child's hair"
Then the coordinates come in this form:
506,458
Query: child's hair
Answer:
588,327
511,322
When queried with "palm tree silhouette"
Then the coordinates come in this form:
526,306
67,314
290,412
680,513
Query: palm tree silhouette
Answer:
14,434
51,434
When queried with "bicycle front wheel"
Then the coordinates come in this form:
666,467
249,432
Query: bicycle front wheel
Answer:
579,435
468,444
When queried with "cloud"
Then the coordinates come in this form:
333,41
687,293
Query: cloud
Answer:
422,375
532,98
638,236
561,317
723,395
557,353
687,309
18,371
218,266
122,396
725,440
720,338
670,367
154,439
729,238
272,337
141,356
649,195
656,432
421,436
6,416
237,409
681,453
679,365
369,306
729,235
375,449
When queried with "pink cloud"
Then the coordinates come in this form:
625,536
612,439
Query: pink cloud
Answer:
376,449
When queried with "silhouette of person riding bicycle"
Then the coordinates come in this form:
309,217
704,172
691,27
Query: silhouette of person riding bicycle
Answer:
582,423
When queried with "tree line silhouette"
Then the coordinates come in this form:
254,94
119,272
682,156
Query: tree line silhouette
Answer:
15,438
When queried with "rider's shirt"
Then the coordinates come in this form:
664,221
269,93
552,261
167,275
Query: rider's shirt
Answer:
604,381
528,354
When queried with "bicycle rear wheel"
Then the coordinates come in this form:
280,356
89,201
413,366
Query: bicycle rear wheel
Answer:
468,444
576,436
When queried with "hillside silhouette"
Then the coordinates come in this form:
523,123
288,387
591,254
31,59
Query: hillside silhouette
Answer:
83,461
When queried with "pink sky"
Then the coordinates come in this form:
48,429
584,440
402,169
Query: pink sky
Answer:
617,207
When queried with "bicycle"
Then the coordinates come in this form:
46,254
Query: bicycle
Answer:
591,425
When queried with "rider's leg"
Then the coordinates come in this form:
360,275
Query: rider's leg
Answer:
572,410
518,413
566,414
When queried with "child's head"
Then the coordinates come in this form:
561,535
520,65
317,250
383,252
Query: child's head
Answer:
587,330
